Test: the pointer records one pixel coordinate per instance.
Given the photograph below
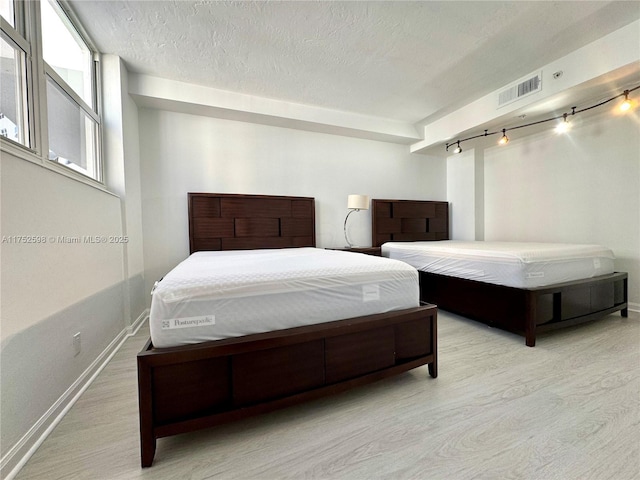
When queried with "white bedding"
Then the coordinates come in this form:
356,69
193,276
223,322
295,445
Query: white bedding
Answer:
514,264
215,295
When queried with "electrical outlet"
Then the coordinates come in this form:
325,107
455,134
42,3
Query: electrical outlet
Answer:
77,345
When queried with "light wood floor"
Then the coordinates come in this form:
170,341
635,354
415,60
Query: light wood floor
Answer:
566,409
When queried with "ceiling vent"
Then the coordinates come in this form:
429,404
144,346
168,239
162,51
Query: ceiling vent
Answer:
521,89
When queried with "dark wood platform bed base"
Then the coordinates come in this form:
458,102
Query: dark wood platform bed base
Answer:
526,312
187,388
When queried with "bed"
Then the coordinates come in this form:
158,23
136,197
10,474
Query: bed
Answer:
252,355
567,294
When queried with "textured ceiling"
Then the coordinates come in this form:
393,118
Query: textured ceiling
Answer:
400,60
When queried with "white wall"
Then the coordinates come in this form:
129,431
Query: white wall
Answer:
583,187
183,153
52,289
465,191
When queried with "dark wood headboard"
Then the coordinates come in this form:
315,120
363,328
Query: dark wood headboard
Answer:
408,221
220,221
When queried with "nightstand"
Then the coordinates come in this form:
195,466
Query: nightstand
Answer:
376,251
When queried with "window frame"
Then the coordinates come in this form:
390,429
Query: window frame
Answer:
28,35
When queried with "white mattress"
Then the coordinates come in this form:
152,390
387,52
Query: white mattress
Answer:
514,264
215,295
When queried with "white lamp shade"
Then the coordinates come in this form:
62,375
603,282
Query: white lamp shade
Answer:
358,202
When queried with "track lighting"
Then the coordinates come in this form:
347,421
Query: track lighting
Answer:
626,104
563,126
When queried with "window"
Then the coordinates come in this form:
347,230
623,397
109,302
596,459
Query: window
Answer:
49,100
66,52
13,78
12,89
6,10
73,134
73,122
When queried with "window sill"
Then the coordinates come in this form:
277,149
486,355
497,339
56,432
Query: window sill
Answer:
24,153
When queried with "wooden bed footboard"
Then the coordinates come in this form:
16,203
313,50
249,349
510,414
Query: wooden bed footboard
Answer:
528,311
188,388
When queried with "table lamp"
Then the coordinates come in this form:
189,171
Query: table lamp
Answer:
354,203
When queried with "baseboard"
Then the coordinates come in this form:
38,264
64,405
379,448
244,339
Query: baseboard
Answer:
135,326
634,307
22,451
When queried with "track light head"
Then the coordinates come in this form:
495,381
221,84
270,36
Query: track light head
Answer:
564,125
504,139
458,149
626,104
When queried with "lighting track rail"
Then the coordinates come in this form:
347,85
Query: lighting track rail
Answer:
626,105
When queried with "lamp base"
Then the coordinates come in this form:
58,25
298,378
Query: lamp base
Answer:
346,237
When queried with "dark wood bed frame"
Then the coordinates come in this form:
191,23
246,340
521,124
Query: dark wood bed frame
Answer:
187,388
522,311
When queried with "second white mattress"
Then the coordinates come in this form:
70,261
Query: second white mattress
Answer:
513,264
215,295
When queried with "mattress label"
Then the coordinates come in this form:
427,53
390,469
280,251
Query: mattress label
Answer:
188,322
370,293
535,275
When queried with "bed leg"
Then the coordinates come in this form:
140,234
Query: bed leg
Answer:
531,304
624,312
147,451
433,366
145,406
